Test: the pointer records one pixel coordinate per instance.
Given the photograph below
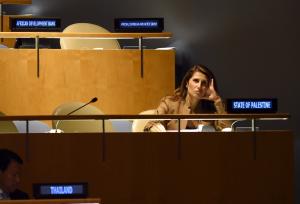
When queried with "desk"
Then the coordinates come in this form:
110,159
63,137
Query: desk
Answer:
141,168
79,75
53,201
38,84
9,2
38,35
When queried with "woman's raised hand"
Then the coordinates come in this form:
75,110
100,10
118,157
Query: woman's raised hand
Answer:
211,93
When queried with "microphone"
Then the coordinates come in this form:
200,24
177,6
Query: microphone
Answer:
80,107
93,100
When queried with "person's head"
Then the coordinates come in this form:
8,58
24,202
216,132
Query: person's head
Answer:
196,82
10,166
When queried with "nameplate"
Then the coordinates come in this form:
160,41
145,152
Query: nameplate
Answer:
60,190
263,105
35,24
139,24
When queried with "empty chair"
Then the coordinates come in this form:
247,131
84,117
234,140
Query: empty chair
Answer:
138,125
34,126
69,126
122,125
3,46
71,43
7,126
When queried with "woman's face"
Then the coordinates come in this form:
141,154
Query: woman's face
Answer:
197,85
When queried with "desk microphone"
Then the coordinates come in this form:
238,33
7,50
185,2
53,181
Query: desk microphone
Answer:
73,111
80,107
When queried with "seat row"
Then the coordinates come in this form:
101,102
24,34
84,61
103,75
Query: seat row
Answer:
71,126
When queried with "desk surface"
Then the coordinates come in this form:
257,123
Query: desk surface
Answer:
273,116
84,35
54,201
15,1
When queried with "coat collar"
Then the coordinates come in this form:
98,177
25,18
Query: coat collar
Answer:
185,110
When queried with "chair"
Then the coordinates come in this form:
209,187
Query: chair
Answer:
3,46
122,125
69,43
34,126
71,126
138,125
7,126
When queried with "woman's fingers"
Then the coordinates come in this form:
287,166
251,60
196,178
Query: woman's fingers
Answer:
158,128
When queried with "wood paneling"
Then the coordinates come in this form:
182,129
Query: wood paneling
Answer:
84,35
53,201
15,1
73,75
141,168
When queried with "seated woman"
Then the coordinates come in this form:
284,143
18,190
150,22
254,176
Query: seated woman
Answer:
196,94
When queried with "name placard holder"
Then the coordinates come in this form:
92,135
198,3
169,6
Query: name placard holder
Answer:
248,105
29,24
60,190
139,25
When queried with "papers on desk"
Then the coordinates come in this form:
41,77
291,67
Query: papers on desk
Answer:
185,130
201,128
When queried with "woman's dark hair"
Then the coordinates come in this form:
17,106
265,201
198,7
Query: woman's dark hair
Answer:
181,92
205,106
6,156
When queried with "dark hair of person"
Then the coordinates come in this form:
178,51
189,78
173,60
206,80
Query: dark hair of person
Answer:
6,156
181,92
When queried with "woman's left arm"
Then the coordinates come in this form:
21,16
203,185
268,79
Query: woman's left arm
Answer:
219,106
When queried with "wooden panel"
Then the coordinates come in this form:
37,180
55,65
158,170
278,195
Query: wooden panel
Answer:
9,42
15,1
84,35
141,168
71,75
233,168
53,201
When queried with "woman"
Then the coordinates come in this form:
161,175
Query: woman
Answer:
196,94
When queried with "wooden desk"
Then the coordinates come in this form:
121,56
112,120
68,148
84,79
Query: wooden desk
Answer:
125,81
79,75
85,35
141,168
163,168
2,19
53,201
15,1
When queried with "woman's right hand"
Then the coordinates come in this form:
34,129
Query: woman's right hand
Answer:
157,127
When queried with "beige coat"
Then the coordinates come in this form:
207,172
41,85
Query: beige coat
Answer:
171,106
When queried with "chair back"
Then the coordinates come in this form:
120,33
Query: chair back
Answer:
7,126
3,46
34,126
122,125
71,126
69,43
138,125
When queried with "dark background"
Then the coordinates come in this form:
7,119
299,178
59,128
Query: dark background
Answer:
252,46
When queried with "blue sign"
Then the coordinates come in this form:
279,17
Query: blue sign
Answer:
60,190
139,24
35,24
251,105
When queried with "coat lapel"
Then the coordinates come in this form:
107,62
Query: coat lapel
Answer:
185,110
